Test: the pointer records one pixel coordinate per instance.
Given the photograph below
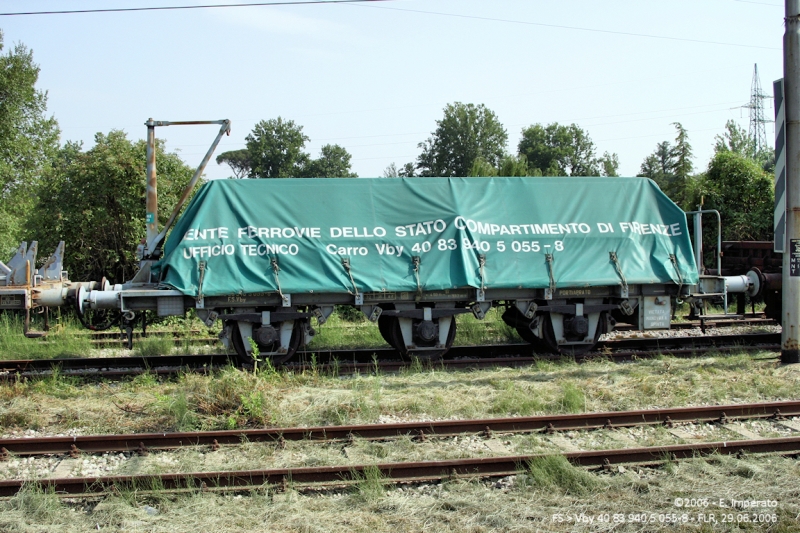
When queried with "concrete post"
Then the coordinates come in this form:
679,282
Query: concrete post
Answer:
790,338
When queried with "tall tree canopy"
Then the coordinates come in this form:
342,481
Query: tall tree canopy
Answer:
95,202
465,133
408,170
28,141
275,148
670,166
736,139
557,150
333,162
742,192
508,166
238,160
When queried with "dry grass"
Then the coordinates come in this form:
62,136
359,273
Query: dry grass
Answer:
529,503
231,399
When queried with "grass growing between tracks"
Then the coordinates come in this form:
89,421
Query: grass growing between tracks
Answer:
531,501
345,328
351,329
63,340
230,398
563,498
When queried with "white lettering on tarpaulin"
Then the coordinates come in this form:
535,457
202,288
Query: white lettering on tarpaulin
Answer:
388,249
208,251
346,250
337,233
260,250
488,228
602,227
644,228
196,234
421,228
279,233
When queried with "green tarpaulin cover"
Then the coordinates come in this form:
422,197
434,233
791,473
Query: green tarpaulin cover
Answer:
238,227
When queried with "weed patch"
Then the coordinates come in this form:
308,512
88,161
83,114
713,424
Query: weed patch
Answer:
65,339
370,484
154,345
556,472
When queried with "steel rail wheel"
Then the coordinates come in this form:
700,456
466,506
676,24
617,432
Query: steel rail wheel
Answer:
246,358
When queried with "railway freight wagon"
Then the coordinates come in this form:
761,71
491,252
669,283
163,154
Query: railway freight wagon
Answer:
566,258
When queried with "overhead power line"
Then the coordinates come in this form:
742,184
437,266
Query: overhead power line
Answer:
577,28
172,8
760,3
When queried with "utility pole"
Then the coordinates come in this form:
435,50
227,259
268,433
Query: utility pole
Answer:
790,336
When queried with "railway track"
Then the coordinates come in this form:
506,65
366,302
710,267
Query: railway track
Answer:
195,338
495,466
143,442
424,471
386,359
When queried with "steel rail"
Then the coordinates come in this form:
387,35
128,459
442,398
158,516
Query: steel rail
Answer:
514,355
19,366
389,366
106,338
411,471
622,348
749,319
142,442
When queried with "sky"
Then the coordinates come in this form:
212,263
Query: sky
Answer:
375,77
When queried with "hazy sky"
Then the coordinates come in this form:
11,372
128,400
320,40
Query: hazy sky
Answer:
375,77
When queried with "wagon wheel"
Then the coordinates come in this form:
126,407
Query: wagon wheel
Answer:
435,355
390,330
246,358
386,327
572,349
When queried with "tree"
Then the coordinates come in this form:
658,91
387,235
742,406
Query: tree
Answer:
28,142
238,160
509,166
610,164
481,168
275,149
670,166
390,171
737,187
95,202
407,171
735,139
465,133
333,162
659,166
556,150
682,153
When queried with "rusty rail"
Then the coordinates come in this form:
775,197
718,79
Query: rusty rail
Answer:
142,442
363,360
418,471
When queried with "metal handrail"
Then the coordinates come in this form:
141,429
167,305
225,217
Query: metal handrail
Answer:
698,238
